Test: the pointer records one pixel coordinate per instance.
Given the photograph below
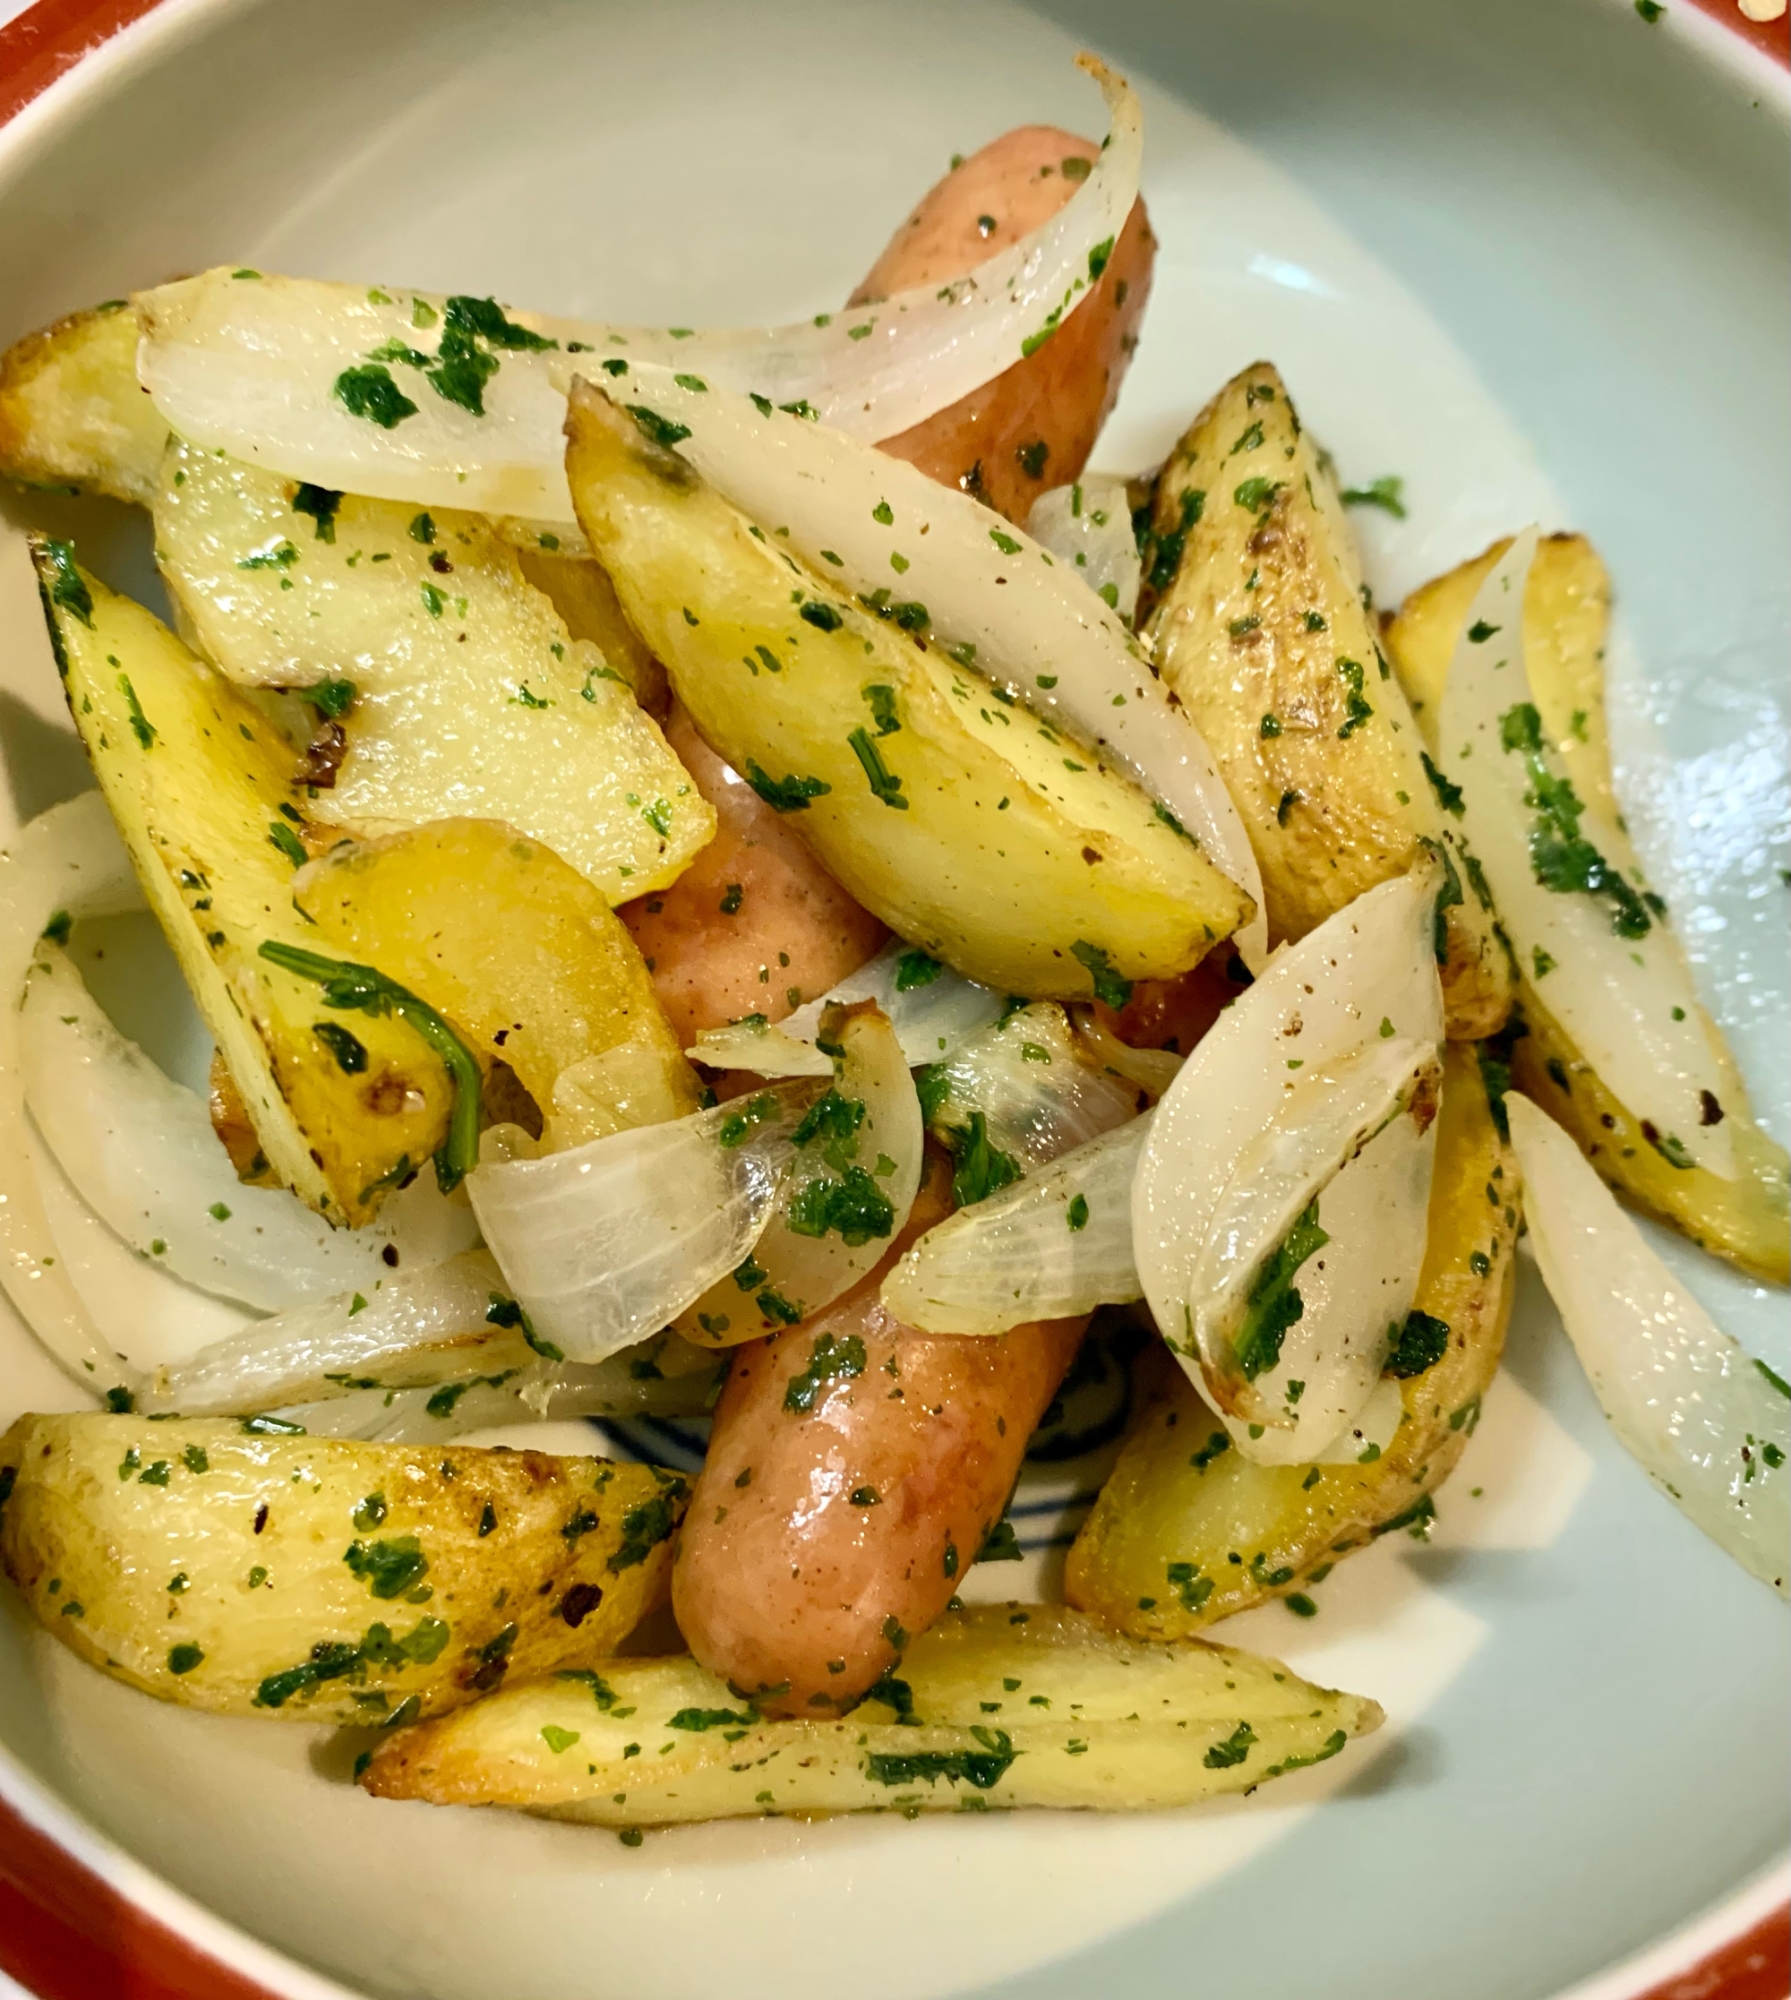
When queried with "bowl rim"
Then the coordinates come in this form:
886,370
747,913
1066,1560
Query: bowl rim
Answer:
81,1915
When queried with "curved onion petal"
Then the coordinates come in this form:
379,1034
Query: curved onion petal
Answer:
150,1316
1053,1245
608,1241
140,1150
988,593
1089,526
660,1377
1701,1417
1369,1432
1030,1084
68,862
1214,1157
1329,1118
246,364
854,1172
1627,1002
414,1331
932,1009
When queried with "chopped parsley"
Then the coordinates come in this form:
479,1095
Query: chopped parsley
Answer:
784,795
1560,855
1419,1345
1109,986
1387,493
1273,1303
370,392
829,1360
883,782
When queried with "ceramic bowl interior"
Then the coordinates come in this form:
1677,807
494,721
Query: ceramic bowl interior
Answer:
1530,258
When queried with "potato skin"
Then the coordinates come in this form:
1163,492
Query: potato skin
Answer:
1262,630
753,919
400,1571
1058,397
1180,1538
783,1580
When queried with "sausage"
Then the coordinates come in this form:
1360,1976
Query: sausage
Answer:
855,1469
755,924
856,1465
1034,425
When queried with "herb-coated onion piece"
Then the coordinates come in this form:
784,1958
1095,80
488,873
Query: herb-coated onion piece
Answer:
1053,1245
451,1323
1279,1211
855,1167
1583,923
457,402
140,1150
932,1009
1089,526
978,586
609,1241
68,863
1701,1417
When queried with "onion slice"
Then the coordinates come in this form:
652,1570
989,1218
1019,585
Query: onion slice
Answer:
1248,1139
140,1150
609,1241
68,863
1055,1244
249,364
1021,1094
1089,527
1701,1417
932,1009
856,1160
448,1324
985,591
1604,961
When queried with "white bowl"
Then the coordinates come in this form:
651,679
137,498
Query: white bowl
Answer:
1531,258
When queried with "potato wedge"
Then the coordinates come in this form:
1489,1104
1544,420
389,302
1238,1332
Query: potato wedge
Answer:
1566,619
581,592
1187,1530
506,940
972,828
1262,628
71,410
1567,615
996,1705
234,1567
449,686
198,780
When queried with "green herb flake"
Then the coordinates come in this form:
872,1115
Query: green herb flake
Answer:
1273,1304
370,392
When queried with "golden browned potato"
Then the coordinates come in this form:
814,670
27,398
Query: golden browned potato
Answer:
199,782
498,934
1262,629
1566,618
71,410
586,599
1034,425
981,842
232,1565
998,1705
1187,1530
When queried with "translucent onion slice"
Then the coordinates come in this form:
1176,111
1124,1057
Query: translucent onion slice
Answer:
982,588
1703,1419
1089,526
1026,1091
434,1326
1628,1002
248,363
1370,1432
660,1377
68,863
932,1009
609,1241
1053,1245
1231,1152
854,1172
140,1150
